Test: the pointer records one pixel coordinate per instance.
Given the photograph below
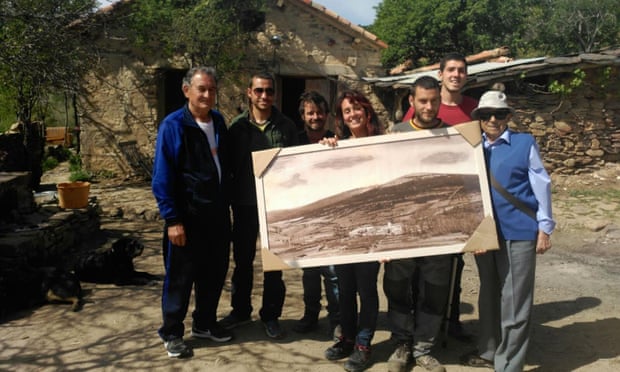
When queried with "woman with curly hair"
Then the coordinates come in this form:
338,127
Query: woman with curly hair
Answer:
356,118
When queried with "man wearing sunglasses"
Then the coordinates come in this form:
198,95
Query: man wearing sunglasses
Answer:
260,127
521,196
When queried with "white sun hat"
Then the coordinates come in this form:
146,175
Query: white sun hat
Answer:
493,99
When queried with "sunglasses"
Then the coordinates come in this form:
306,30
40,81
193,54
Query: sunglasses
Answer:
267,91
499,115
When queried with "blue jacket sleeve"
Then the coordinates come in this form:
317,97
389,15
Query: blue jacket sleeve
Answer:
165,171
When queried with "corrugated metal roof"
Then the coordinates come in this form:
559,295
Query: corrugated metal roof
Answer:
483,73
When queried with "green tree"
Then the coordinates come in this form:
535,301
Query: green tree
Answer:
575,25
425,30
42,50
207,32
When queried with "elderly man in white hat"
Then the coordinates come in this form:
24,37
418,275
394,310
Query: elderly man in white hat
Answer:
521,196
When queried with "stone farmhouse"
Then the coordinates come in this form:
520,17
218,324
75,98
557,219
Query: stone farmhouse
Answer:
305,45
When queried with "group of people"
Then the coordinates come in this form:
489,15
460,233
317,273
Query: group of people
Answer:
203,170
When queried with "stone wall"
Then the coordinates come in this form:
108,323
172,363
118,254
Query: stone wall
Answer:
316,44
41,233
577,132
52,235
120,107
37,236
21,149
15,196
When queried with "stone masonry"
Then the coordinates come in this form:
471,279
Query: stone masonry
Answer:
41,232
577,132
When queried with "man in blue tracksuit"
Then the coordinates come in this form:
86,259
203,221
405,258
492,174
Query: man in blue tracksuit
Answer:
189,184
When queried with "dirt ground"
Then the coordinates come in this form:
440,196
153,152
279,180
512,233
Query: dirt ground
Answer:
576,314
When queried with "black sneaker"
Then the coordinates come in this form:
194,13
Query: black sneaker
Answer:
341,349
231,321
215,333
359,360
400,358
273,329
176,348
306,324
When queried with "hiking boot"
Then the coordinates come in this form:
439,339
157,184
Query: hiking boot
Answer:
400,358
273,329
176,348
232,321
215,333
306,324
359,359
339,350
429,363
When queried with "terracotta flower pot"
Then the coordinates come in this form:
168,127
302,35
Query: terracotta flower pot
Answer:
73,195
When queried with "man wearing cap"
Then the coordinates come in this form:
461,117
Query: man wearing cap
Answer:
521,196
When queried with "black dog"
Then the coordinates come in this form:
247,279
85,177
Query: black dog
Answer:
62,286
23,286
113,265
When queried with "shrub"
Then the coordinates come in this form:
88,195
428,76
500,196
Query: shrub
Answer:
77,172
80,175
49,163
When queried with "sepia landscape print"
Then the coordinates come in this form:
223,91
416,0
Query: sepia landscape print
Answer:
405,196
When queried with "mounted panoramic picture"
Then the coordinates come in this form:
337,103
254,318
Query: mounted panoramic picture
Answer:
384,197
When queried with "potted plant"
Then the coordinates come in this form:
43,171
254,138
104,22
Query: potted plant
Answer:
74,194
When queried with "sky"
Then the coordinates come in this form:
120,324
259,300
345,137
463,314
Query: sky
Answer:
359,12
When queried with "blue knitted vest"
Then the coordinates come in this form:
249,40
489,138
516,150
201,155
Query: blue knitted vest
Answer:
509,164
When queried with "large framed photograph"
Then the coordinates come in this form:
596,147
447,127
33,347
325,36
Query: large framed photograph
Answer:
384,197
